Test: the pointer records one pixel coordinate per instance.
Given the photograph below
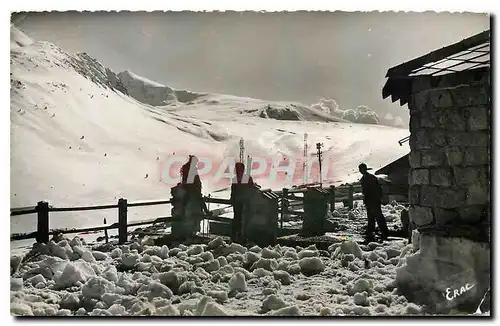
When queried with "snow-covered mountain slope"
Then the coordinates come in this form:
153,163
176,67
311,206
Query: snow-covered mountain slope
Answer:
82,135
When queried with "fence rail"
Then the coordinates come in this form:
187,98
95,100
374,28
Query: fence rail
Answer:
288,199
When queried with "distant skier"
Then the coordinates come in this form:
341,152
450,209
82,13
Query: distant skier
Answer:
238,185
372,198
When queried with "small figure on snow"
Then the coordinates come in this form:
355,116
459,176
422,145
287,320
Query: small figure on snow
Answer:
372,198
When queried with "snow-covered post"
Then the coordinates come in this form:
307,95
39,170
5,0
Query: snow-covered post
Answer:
260,216
332,198
350,198
106,238
315,211
42,209
284,206
122,221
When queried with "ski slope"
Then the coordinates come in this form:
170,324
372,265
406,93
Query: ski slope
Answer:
83,135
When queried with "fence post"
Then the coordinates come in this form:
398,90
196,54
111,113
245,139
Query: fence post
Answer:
106,238
284,205
122,221
42,234
350,198
332,198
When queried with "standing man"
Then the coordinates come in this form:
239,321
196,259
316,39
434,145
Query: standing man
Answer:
238,185
372,198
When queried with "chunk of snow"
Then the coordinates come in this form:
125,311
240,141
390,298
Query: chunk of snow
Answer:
194,250
282,276
63,312
361,299
351,247
172,279
20,309
268,291
111,298
287,311
147,241
251,257
116,252
237,283
412,309
247,274
261,272
15,263
168,310
222,261
186,287
220,296
96,286
70,276
16,284
392,252
210,266
81,312
88,257
215,243
415,240
146,258
193,260
283,265
307,253
153,290
256,249
213,309
207,256
373,256
265,263
117,310
100,312
362,285
311,265
291,254
272,302
130,260
69,301
325,311
174,251
269,253
164,252
228,269
36,279
294,269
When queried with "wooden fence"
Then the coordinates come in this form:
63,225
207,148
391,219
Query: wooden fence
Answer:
290,203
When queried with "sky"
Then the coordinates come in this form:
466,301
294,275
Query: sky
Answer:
294,56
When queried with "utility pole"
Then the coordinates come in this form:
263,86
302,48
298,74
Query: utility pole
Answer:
242,150
304,163
319,153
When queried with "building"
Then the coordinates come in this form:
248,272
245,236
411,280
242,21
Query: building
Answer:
448,96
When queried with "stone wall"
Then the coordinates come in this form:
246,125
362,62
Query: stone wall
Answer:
449,159
449,182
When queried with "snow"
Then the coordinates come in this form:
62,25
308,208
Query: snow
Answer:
105,139
58,98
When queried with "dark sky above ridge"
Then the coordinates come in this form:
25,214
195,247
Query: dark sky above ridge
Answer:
301,56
